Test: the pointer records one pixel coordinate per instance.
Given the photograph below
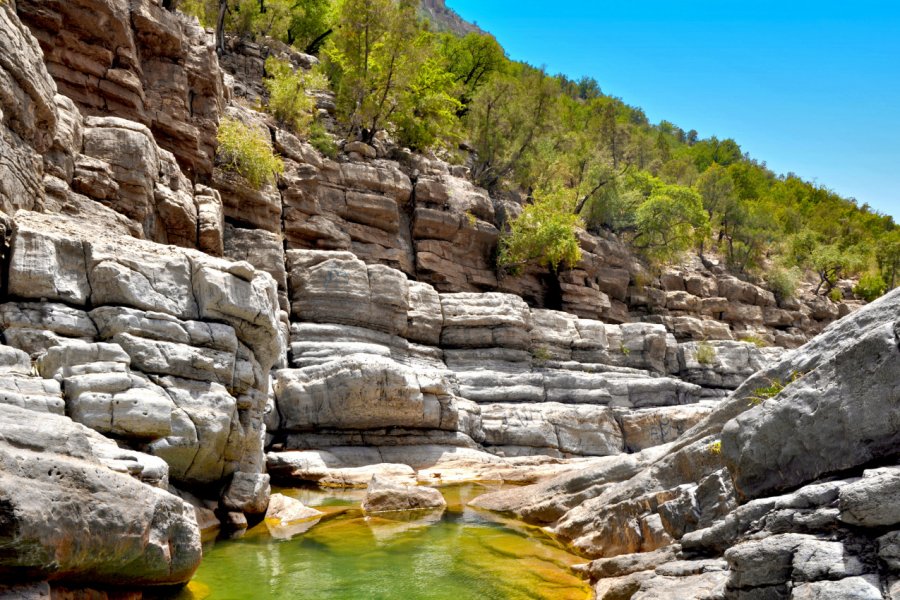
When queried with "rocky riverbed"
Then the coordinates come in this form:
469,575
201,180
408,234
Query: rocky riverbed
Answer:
173,342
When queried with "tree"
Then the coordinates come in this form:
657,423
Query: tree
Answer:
374,55
309,25
670,222
717,191
427,111
220,27
506,120
610,131
662,147
888,256
288,98
831,263
472,60
544,235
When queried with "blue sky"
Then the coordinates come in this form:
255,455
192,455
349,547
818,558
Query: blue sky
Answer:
809,87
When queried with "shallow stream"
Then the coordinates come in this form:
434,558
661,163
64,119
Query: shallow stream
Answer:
463,554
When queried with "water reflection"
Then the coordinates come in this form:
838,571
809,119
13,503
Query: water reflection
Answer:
457,554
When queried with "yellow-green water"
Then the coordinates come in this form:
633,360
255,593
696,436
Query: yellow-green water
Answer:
462,555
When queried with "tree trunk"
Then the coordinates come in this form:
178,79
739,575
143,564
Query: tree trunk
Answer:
316,44
220,27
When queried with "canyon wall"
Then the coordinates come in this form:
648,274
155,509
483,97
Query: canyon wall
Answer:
171,337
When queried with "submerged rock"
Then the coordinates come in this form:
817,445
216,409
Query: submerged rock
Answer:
287,517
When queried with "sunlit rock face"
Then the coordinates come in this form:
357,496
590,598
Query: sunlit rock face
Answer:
781,489
167,327
78,508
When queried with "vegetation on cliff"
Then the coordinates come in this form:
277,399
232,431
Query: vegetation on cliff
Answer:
519,128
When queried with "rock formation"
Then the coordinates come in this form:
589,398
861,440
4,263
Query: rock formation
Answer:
171,338
772,495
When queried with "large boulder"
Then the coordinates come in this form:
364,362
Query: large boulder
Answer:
69,517
359,391
839,407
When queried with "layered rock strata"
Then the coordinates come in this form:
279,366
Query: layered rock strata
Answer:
785,490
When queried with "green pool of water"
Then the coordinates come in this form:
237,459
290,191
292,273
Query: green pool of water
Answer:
462,554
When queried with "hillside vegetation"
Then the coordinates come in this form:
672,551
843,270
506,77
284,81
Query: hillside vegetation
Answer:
580,157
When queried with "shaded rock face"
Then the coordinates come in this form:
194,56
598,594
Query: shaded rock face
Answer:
790,496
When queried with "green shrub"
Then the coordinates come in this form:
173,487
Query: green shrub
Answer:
541,354
755,340
870,287
775,387
321,140
288,98
715,448
783,282
544,234
706,354
248,152
836,295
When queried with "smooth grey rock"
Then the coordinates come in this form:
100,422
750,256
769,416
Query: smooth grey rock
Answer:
872,501
246,299
71,518
889,550
337,287
75,359
140,275
359,391
180,360
329,470
386,495
247,493
134,159
33,393
648,427
485,321
851,588
764,562
700,586
207,440
844,412
815,560
57,318
725,364
46,263
115,320
287,517
424,319
119,404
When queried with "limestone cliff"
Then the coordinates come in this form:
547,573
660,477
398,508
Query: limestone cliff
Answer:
173,337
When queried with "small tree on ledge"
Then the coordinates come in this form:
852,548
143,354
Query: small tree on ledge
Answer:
544,234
